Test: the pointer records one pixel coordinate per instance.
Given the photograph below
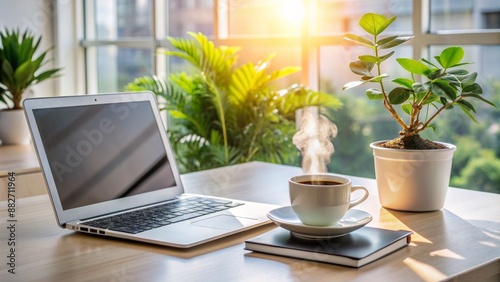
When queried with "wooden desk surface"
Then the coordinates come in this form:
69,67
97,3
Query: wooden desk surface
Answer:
462,240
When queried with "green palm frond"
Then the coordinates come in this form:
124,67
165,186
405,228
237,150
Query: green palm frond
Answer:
242,83
250,79
215,61
188,50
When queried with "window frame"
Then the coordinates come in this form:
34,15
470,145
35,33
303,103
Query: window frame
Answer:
309,43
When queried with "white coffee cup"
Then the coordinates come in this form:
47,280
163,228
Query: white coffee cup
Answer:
322,199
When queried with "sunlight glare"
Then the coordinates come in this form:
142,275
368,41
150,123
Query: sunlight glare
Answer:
292,11
425,271
446,253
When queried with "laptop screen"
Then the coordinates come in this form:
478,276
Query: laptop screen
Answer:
103,152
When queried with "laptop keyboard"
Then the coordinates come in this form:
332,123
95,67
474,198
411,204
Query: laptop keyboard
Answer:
145,219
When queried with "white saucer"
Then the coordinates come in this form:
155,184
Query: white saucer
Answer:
286,218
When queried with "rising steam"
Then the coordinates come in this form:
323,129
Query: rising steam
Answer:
314,141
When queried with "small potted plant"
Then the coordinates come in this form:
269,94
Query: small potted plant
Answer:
20,68
413,173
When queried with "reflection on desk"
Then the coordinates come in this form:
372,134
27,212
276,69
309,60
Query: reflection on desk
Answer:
460,241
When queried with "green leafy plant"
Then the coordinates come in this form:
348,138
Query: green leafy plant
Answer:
20,67
441,85
225,113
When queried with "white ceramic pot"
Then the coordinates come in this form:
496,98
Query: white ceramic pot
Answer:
412,180
13,127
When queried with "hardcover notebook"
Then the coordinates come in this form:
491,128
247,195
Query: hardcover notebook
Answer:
355,249
110,171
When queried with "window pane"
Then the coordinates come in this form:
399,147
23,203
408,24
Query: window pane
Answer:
263,17
464,14
195,16
118,66
476,162
341,16
122,19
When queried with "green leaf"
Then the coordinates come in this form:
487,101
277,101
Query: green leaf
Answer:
24,73
479,97
353,84
458,72
395,42
8,71
177,114
386,40
414,66
443,88
407,108
378,78
434,74
46,75
375,24
452,80
374,94
466,110
468,79
461,64
467,105
419,87
369,59
451,56
398,95
429,62
443,100
474,88
406,82
385,57
359,40
361,68
433,126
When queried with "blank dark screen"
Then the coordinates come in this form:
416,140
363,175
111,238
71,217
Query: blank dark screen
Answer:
103,152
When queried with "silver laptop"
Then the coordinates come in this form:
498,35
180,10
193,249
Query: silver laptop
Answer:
110,171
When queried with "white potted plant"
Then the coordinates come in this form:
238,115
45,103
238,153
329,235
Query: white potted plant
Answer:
413,173
20,68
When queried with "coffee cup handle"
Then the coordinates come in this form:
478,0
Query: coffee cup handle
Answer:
360,199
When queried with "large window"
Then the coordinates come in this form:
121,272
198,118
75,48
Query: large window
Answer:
124,39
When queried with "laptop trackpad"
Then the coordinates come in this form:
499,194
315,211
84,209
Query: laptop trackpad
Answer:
225,221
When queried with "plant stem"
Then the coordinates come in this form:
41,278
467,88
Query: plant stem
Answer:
424,126
220,111
415,116
251,151
258,130
387,104
16,98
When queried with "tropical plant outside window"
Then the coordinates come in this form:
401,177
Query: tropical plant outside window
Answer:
285,27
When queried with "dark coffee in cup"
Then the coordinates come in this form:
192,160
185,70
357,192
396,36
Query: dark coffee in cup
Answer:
320,182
